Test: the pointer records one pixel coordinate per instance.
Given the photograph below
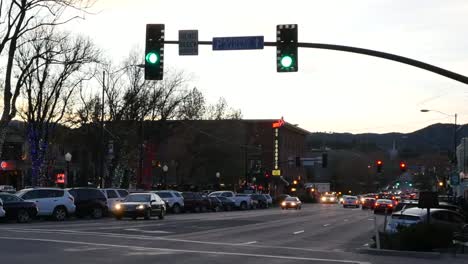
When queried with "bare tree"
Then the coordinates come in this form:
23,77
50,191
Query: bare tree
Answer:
18,18
221,110
193,106
59,62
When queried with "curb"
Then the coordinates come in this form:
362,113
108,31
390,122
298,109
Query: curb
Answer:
398,253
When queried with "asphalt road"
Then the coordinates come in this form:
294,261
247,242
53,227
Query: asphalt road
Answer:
316,234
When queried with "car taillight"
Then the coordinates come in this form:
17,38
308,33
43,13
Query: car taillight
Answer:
390,205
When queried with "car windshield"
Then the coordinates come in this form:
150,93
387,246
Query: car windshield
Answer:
164,194
138,198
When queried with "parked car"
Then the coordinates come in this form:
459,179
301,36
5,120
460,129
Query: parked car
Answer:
89,202
7,189
2,211
243,202
195,202
17,208
114,196
383,206
260,200
405,204
269,199
351,201
54,202
140,205
411,216
368,203
216,204
173,199
228,203
291,202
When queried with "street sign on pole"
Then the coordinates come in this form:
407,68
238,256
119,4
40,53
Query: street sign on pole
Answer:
238,43
188,42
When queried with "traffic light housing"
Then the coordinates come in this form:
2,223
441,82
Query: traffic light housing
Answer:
154,52
286,48
324,160
379,164
403,166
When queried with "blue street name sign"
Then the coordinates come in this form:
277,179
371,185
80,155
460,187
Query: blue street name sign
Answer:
238,43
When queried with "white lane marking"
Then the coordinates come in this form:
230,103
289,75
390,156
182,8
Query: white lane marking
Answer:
83,249
142,237
248,243
183,250
370,219
148,231
298,232
346,220
325,225
355,209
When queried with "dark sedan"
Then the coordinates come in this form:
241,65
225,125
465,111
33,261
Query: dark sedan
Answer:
17,208
291,202
140,205
215,204
261,201
228,204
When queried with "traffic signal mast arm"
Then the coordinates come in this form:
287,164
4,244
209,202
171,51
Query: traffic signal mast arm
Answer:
419,64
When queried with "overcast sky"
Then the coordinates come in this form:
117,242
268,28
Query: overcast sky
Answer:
333,91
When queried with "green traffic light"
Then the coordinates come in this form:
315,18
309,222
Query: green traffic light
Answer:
152,57
286,61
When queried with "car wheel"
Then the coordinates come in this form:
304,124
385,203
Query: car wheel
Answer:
96,212
59,214
161,214
176,209
197,209
300,207
148,214
23,216
134,217
228,208
243,206
204,209
217,208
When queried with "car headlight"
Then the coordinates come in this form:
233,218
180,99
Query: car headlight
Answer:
324,199
141,207
283,203
332,199
118,206
341,199
293,204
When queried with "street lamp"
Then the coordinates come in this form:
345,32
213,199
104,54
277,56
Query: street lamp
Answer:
218,184
68,158
454,129
165,169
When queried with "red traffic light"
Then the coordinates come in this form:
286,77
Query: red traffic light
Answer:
402,166
60,178
379,162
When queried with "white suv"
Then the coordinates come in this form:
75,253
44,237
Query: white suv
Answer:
114,196
173,199
55,202
2,212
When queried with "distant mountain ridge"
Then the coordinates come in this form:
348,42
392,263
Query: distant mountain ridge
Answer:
437,137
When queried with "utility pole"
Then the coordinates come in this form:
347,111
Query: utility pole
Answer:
101,143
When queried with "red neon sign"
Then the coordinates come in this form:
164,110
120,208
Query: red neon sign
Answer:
4,165
278,123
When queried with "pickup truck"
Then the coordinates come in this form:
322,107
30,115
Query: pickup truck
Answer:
243,202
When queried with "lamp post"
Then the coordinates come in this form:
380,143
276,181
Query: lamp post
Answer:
454,129
165,169
218,175
454,157
68,158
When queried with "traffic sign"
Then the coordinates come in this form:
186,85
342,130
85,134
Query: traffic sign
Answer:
238,43
188,42
276,173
